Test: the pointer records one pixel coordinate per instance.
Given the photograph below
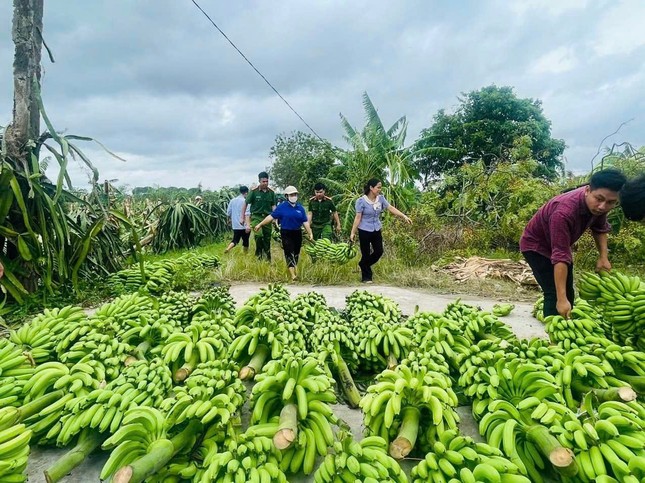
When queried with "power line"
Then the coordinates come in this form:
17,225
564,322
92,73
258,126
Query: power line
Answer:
258,72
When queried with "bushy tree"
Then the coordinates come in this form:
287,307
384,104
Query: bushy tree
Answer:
300,160
484,128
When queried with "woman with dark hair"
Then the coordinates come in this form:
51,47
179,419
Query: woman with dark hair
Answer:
632,199
368,225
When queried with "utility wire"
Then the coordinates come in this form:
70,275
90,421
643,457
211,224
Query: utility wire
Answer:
258,72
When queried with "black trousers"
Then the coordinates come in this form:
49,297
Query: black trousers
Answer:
543,272
371,243
291,244
241,235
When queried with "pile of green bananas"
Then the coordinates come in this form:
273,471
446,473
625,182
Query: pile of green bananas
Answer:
608,441
403,404
14,449
457,457
367,462
15,370
325,249
212,394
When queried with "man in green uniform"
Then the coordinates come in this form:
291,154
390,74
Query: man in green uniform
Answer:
321,211
262,200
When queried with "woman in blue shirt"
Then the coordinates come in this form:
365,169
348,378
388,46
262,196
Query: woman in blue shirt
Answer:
368,224
292,216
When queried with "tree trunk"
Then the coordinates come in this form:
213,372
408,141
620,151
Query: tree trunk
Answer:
26,33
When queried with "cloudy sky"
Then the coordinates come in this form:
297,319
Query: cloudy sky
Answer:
156,83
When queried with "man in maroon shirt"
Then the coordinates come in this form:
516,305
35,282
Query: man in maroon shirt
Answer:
547,239
632,199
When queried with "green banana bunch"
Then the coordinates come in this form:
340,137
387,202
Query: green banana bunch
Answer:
574,329
148,338
38,337
627,363
460,312
535,350
183,351
140,384
13,363
608,442
265,338
14,451
245,458
307,307
579,373
477,367
382,343
141,431
290,403
513,380
454,456
273,295
103,347
502,310
538,309
217,302
422,322
176,306
11,391
325,249
482,325
296,379
605,286
361,305
515,429
430,361
366,461
446,339
409,403
212,394
196,261
334,341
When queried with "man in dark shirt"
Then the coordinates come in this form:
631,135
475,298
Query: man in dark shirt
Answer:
632,199
262,200
547,239
320,212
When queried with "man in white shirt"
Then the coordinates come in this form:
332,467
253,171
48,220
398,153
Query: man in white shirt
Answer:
234,213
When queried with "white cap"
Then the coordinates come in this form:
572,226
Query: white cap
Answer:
290,190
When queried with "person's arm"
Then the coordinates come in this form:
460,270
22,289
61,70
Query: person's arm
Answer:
1,270
563,306
357,221
399,214
310,216
266,221
308,230
603,253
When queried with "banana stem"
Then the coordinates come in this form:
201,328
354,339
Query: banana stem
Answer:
347,383
256,363
624,393
561,458
407,437
186,370
88,441
141,349
287,428
37,405
161,452
637,382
